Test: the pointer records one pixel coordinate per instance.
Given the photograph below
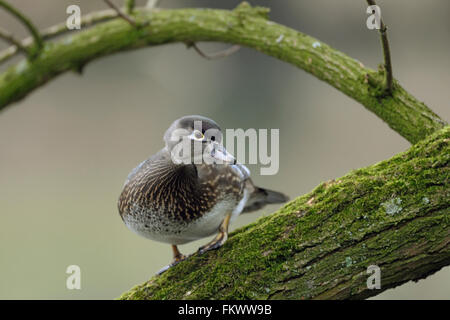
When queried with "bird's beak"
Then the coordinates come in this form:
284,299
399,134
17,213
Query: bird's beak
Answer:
221,155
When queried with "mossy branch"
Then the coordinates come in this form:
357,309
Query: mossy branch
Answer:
246,26
394,214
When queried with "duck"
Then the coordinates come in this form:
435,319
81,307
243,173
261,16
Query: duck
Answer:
191,189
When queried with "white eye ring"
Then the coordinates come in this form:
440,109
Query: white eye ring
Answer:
197,135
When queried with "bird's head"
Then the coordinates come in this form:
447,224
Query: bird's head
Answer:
196,140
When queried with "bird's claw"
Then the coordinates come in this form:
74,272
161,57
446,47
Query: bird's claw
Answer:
176,261
213,245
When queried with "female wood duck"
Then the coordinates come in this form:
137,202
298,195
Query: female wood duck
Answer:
177,196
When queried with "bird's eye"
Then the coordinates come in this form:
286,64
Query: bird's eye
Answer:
213,138
198,135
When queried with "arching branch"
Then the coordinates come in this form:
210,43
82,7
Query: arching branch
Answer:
244,26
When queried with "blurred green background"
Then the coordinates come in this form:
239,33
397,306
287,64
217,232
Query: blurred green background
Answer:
66,149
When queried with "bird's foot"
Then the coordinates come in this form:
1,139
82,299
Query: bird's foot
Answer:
163,269
216,243
178,259
175,261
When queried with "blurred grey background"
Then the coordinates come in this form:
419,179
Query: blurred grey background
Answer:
66,149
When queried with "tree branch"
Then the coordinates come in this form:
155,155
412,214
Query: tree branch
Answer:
244,26
129,4
394,214
4,34
216,55
60,29
25,21
120,13
386,53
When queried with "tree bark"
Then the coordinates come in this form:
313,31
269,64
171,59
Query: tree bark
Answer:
394,214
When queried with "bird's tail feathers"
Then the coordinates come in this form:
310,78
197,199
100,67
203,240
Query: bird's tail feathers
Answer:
261,197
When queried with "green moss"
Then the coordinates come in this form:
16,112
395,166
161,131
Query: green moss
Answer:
321,248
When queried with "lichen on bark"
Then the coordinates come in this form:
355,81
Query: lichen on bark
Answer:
321,244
